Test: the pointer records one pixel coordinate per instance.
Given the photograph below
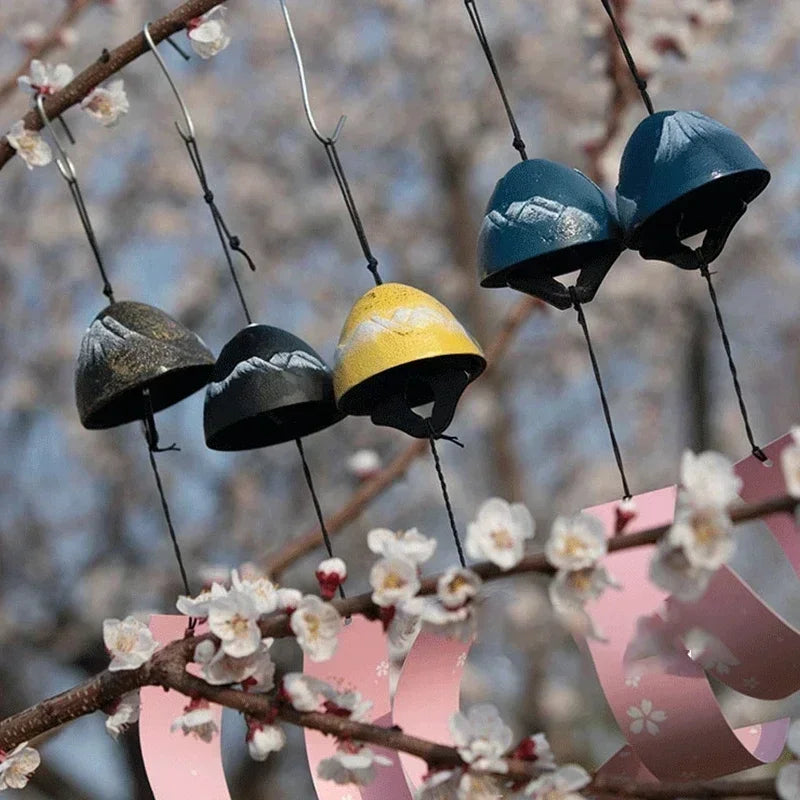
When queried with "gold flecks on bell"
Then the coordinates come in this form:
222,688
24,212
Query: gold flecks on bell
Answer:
401,348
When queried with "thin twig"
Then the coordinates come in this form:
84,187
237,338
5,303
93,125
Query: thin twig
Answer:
109,63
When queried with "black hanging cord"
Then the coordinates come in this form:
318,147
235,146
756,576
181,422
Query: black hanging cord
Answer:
325,535
757,451
641,83
227,239
352,210
151,437
606,411
432,437
475,18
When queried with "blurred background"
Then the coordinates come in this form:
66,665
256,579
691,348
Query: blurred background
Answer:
81,531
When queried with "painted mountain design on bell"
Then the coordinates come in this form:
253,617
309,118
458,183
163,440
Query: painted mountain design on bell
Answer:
278,362
551,220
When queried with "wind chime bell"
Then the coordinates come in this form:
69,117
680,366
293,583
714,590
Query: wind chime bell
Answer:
129,348
268,386
545,219
683,173
400,349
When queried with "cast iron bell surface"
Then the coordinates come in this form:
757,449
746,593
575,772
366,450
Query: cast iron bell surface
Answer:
130,347
399,349
546,219
268,386
683,173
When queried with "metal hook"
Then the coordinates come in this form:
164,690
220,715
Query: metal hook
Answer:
184,110
326,140
63,161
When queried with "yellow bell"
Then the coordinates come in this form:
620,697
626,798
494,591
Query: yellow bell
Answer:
399,349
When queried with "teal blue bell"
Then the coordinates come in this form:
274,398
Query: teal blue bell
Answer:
683,173
543,220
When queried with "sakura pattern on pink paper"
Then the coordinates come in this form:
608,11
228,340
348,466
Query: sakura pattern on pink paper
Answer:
357,665
177,766
668,714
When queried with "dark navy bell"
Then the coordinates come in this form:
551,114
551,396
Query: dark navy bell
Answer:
545,219
268,386
130,347
683,173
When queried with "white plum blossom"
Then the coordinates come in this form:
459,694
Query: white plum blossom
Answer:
264,739
790,464
304,691
233,618
787,782
45,79
356,767
578,587
288,599
499,531
208,34
129,643
331,574
123,714
106,104
708,480
259,589
349,704
481,737
645,717
458,623
410,545
456,587
576,542
197,720
562,784
536,749
671,570
17,766
198,606
364,464
393,581
705,535
30,146
257,669
316,625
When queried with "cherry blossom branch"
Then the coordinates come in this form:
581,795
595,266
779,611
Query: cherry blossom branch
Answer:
97,692
45,44
299,546
109,63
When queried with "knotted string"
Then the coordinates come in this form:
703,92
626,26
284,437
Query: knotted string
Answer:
432,437
475,18
756,450
641,83
320,518
603,400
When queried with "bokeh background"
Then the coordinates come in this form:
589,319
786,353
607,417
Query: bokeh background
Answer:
81,532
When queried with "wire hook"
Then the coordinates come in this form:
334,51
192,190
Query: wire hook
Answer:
304,86
184,110
63,161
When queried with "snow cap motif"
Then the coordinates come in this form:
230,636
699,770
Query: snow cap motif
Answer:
683,173
130,347
543,220
399,349
268,386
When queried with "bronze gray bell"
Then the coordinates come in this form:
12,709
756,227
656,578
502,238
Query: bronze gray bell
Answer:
268,386
683,173
130,347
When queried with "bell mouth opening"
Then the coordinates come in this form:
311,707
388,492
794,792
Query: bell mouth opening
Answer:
279,425
699,209
579,257
408,381
165,390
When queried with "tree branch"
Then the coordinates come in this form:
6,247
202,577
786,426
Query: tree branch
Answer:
109,63
99,691
299,546
44,45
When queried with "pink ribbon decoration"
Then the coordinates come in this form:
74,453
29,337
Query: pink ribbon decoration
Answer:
666,711
360,663
428,695
177,766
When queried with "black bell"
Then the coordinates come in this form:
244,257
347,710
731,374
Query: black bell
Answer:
130,347
268,386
